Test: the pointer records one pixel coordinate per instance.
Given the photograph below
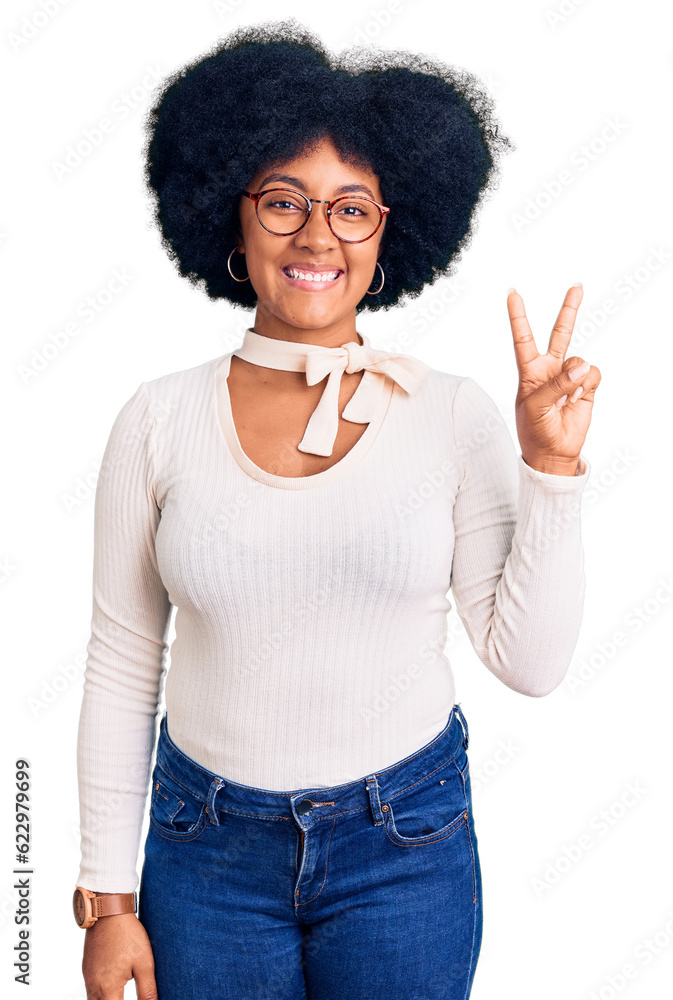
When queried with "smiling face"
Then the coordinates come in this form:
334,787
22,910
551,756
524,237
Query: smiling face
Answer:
292,308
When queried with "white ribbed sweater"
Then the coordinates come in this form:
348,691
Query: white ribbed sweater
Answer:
311,612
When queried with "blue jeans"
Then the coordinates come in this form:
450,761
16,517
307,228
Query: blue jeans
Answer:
362,891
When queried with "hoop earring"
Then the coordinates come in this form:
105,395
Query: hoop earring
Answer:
229,268
383,278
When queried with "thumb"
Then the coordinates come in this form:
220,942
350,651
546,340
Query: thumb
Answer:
575,372
573,362
146,986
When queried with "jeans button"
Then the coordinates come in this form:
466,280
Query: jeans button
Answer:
304,807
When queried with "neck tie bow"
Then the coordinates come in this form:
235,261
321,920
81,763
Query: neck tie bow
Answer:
319,362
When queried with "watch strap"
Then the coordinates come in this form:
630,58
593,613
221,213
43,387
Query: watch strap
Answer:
110,904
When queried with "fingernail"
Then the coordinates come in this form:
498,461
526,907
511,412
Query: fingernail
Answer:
578,284
510,290
561,401
576,373
577,393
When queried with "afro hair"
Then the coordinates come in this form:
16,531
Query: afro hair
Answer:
264,94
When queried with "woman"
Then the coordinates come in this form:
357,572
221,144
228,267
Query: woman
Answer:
306,502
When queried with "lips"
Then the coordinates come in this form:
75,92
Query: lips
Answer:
312,279
318,275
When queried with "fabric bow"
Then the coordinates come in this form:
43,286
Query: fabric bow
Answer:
321,430
319,362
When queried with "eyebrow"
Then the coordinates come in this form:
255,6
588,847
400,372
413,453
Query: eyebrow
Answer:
344,189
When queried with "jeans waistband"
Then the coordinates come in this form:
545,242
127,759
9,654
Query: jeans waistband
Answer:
309,805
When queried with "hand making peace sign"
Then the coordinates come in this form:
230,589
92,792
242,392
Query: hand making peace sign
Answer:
553,407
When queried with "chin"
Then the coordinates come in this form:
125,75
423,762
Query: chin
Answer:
305,320
308,319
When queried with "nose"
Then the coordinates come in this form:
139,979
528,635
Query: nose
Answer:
316,231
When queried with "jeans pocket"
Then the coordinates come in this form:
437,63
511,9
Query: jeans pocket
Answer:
176,813
429,810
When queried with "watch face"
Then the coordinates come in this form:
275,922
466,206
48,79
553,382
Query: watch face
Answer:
78,906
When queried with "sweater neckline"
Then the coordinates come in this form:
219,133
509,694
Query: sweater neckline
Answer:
227,428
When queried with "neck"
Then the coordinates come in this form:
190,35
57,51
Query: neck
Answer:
330,335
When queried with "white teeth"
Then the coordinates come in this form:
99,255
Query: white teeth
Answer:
313,275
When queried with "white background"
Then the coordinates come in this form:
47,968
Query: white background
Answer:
559,923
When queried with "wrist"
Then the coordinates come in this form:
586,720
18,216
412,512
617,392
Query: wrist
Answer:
110,918
90,906
554,467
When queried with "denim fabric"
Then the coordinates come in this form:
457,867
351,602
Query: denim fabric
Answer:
361,891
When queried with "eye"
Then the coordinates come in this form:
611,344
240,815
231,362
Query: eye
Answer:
356,208
283,205
281,201
352,210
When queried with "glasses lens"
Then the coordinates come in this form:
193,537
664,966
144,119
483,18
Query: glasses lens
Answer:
282,211
355,218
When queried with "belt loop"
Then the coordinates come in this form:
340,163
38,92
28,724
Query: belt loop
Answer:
215,786
374,801
463,722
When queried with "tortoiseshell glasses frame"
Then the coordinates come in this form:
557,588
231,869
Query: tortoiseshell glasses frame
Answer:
383,210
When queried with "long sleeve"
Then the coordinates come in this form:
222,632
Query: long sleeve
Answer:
518,566
125,655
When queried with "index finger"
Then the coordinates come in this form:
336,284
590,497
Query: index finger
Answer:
525,350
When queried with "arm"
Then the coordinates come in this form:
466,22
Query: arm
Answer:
125,655
518,566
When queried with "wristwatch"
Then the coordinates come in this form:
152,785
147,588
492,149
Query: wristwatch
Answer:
88,906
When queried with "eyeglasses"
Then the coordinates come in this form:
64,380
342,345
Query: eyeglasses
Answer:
352,220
